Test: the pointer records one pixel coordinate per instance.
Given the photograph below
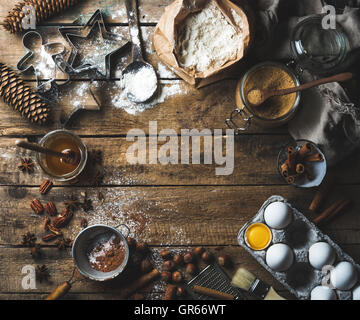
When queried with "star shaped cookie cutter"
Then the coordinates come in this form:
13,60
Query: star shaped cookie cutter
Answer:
84,33
50,53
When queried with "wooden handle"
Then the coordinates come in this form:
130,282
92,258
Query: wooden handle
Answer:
341,77
213,293
273,295
60,291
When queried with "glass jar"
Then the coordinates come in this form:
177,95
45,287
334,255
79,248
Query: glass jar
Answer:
62,141
249,114
316,49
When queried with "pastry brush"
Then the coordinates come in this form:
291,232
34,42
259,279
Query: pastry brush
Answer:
245,280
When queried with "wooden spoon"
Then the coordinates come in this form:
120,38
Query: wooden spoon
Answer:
68,156
256,97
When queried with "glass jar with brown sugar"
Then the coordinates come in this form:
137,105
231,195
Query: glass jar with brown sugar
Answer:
275,111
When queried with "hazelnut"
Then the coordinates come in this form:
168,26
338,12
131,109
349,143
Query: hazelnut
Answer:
180,292
188,257
131,242
178,259
165,254
224,260
191,269
166,276
199,251
146,266
142,247
168,265
177,277
207,257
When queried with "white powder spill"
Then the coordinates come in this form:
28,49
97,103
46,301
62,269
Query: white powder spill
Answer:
207,40
165,72
119,15
44,64
166,90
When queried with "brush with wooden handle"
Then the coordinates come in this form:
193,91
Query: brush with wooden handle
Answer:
245,280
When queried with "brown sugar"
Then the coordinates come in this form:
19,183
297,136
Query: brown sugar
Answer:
273,78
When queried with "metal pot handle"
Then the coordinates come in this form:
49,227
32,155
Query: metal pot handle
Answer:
244,117
124,225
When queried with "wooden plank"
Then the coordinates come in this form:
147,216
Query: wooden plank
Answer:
168,215
150,11
118,171
60,265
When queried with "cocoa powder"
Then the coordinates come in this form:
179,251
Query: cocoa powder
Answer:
107,255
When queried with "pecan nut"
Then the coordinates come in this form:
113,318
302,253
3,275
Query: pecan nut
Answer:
63,219
45,186
54,229
37,206
49,237
46,223
50,209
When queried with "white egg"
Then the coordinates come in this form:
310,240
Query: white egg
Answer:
322,293
278,215
321,254
356,293
279,257
344,276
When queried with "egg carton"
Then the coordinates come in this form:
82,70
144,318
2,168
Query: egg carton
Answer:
300,235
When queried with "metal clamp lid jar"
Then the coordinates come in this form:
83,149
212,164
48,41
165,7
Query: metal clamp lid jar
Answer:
247,114
317,47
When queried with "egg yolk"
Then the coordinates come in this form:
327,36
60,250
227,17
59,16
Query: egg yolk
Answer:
258,236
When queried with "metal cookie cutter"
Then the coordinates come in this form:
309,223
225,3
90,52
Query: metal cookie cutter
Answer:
85,33
33,43
242,114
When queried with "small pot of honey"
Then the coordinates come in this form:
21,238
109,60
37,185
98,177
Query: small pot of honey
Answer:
65,142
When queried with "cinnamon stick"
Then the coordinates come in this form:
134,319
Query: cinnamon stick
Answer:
304,151
291,153
170,292
323,191
316,157
139,283
335,209
213,293
285,169
300,168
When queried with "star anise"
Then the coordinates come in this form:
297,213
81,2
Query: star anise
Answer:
63,243
42,273
72,203
29,239
97,179
96,156
87,205
27,165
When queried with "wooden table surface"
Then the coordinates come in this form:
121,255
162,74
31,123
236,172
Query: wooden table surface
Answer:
182,206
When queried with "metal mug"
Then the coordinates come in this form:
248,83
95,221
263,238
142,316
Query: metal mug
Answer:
86,240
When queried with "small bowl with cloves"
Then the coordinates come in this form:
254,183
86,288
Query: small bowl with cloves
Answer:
302,164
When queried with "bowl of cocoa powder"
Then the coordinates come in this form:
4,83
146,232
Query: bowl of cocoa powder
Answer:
101,252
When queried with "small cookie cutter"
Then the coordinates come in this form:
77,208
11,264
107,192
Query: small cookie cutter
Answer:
85,32
26,64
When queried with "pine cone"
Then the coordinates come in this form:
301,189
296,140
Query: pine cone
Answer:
21,97
44,9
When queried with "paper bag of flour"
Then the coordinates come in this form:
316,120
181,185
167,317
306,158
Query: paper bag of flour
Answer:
200,39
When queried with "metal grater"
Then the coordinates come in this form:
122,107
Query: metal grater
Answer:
213,277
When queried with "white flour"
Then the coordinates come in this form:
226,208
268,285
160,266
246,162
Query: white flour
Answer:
207,40
142,83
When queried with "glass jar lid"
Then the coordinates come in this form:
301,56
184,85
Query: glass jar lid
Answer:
317,49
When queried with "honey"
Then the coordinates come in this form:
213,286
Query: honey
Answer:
258,236
63,169
58,166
